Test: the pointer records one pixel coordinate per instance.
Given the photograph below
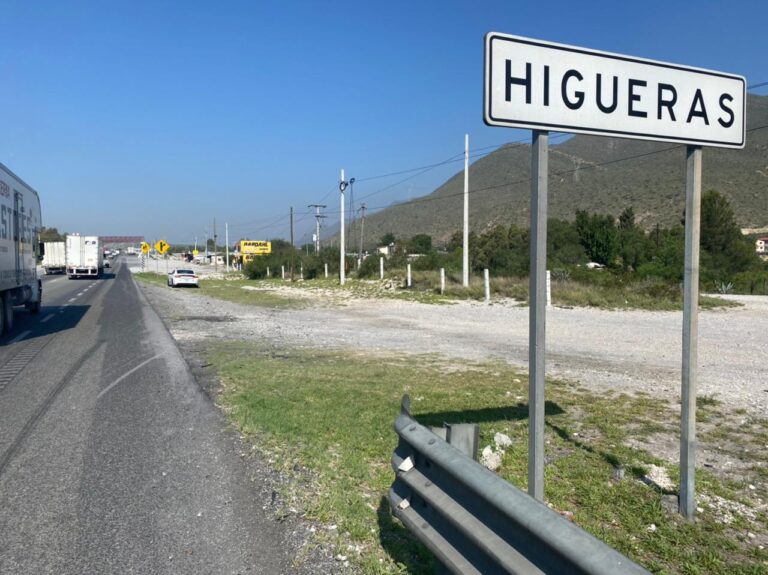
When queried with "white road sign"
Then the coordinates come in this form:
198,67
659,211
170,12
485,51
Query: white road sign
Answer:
540,85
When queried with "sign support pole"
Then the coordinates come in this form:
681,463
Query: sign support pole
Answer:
537,312
342,271
465,240
687,500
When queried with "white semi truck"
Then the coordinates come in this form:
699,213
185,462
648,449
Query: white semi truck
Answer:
84,256
54,257
20,222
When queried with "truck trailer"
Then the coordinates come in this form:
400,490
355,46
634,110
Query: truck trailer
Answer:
20,222
54,257
84,256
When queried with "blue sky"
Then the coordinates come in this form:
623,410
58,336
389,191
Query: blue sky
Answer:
152,118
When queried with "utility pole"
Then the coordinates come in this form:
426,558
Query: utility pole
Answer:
465,243
226,240
293,249
342,186
318,217
362,227
215,259
351,207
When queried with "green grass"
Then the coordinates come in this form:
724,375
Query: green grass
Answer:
425,288
331,414
229,290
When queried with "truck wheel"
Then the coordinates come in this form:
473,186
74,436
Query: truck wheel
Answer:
7,313
34,307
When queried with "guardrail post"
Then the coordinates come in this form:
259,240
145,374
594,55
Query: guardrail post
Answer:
475,522
463,436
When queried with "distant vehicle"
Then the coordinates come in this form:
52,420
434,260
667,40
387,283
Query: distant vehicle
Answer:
84,256
54,257
19,249
180,277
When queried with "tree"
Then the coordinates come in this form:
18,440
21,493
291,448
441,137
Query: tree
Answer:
725,251
627,219
420,244
50,235
597,234
563,245
387,239
634,248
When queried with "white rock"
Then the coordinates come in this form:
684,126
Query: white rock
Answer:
659,476
651,528
502,441
490,459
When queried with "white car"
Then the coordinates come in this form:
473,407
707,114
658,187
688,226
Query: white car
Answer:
179,277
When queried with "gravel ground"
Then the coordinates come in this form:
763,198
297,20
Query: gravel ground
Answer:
632,351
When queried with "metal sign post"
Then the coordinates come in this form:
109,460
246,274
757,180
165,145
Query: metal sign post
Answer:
537,313
687,501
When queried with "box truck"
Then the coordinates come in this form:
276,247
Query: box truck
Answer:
84,256
54,257
20,249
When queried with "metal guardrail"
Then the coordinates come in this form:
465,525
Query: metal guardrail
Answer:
477,523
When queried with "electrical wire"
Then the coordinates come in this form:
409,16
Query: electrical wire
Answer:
475,154
427,199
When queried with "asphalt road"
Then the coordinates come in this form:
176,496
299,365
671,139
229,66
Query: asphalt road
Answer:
112,460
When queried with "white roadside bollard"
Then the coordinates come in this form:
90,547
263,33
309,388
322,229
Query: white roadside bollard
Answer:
326,271
442,281
282,271
409,275
381,267
487,278
549,289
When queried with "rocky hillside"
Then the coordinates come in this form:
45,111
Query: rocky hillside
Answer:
596,174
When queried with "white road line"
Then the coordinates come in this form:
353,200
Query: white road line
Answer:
126,374
81,293
72,299
21,336
46,318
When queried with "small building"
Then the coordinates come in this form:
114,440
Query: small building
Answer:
761,246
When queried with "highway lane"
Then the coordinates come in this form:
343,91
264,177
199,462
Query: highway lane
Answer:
111,458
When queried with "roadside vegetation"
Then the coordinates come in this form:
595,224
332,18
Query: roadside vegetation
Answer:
595,260
325,418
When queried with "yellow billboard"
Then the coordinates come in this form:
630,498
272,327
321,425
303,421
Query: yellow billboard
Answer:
255,248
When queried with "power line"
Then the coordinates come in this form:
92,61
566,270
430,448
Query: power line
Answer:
566,172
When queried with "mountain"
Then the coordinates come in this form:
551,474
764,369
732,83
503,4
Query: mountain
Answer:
596,174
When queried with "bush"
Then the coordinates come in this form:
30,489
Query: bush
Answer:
369,267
